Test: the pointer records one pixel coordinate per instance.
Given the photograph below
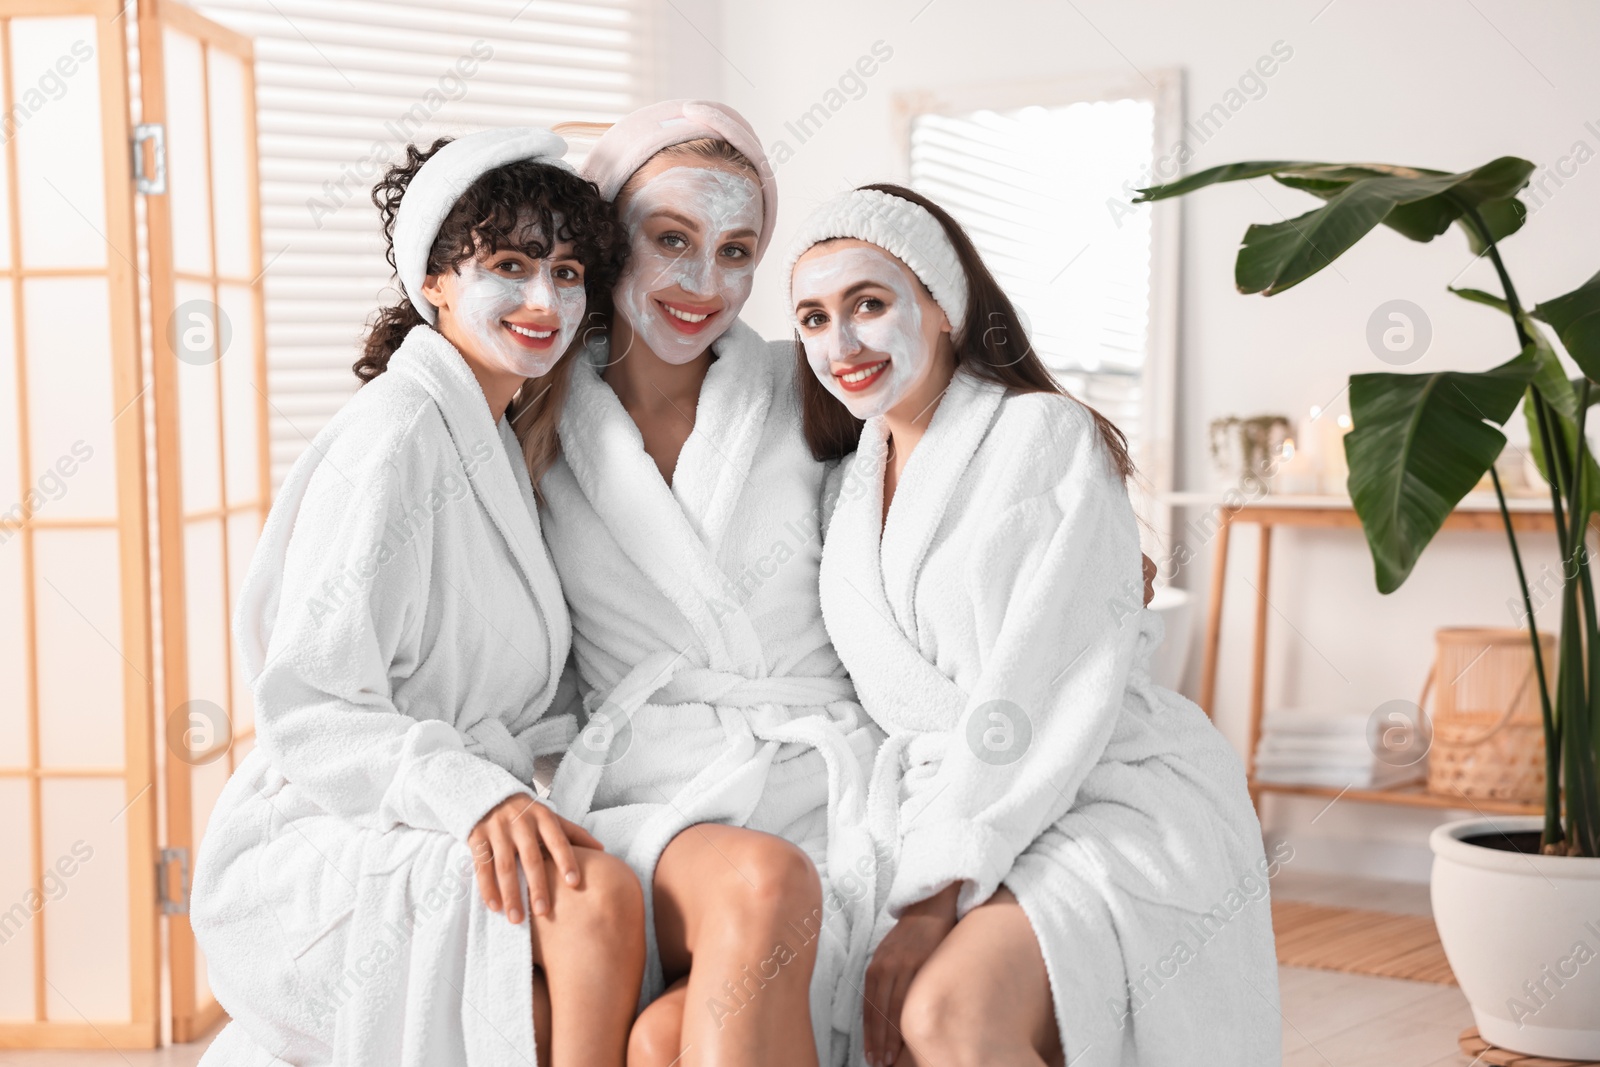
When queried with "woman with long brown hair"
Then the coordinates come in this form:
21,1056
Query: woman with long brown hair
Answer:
1078,876
359,894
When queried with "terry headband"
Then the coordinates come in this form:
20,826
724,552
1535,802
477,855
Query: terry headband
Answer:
436,187
903,229
628,145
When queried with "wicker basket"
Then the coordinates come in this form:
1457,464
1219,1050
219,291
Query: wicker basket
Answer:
1488,733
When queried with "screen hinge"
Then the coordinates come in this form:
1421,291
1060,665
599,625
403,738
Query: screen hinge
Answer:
170,906
153,182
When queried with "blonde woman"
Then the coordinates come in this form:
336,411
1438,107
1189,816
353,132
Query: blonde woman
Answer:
723,753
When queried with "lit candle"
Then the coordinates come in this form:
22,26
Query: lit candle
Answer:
1336,469
1309,440
1297,474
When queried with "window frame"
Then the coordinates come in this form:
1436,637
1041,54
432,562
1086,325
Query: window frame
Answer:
1162,87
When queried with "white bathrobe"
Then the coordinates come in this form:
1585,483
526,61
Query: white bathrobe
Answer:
995,628
404,632
711,690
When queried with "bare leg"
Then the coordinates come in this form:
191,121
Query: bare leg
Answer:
541,1016
590,946
739,912
983,997
657,1036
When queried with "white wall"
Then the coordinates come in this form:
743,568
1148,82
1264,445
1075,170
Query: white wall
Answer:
1437,83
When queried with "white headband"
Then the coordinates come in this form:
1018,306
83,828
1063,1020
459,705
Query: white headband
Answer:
903,229
436,187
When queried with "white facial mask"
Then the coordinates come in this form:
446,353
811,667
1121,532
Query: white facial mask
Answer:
721,203
860,339
485,300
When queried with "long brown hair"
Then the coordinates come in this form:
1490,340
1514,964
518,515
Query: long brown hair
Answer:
993,346
492,214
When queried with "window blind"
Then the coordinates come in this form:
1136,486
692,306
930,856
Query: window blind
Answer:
341,89
1031,186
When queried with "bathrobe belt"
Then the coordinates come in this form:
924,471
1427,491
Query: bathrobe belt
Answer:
751,710
489,738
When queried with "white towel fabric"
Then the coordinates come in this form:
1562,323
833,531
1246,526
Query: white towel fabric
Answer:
1293,722
1009,572
404,633
439,183
907,231
1337,749
697,634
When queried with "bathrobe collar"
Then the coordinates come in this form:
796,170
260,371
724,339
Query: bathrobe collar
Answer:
435,364
929,480
673,533
879,562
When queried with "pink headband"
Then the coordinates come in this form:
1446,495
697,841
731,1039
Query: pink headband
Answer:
625,147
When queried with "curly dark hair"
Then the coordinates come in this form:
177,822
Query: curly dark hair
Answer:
493,215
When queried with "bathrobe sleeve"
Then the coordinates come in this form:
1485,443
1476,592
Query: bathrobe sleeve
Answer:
1049,583
351,619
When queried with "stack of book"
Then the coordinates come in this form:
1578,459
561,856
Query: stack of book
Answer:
1328,749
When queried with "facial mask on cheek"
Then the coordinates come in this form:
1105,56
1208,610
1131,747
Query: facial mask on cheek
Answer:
720,203
484,300
894,333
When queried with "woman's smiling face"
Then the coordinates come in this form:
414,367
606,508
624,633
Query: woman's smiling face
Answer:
692,234
871,331
514,310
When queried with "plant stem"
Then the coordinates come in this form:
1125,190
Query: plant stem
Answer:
1493,252
1579,771
1554,463
1552,778
1571,673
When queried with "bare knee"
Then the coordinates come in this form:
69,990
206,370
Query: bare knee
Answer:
942,1021
657,1033
771,880
606,908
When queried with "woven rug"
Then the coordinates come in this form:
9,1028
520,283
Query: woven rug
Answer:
1483,1052
1377,943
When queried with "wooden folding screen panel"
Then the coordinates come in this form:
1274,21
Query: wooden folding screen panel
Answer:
213,478
79,960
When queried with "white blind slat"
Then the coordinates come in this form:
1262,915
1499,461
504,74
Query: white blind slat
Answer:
341,89
1030,186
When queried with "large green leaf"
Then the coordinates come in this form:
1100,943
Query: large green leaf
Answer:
1502,217
1419,444
1419,204
1576,318
1478,296
1228,172
1559,392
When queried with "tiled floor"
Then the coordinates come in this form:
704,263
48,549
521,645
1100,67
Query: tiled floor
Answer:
1330,1019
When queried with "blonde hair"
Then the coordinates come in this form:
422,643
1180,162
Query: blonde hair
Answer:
535,416
581,131
710,149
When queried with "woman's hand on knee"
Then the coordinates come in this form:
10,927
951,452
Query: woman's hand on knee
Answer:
518,833
921,929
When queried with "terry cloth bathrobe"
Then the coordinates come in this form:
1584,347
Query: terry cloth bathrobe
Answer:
404,633
995,628
710,689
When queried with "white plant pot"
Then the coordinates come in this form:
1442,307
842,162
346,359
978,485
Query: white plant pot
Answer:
1523,936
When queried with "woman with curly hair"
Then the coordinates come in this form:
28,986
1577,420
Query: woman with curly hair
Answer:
359,895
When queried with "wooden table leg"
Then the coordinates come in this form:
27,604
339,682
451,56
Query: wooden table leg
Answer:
1219,573
1258,679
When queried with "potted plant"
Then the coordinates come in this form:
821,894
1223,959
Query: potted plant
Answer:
1516,900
